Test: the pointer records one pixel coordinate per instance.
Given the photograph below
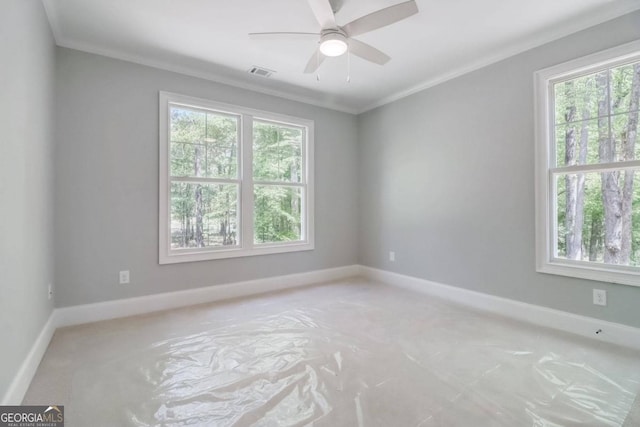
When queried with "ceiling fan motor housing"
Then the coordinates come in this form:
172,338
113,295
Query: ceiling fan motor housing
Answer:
333,42
336,40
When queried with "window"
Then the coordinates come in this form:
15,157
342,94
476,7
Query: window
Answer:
588,167
233,181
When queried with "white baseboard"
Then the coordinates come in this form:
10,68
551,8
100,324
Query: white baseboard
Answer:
87,313
614,333
581,325
23,377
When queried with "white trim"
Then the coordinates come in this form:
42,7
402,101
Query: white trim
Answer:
236,252
608,57
235,110
246,183
614,333
597,272
316,99
567,29
194,180
244,180
574,25
596,167
87,313
29,366
308,199
545,168
163,180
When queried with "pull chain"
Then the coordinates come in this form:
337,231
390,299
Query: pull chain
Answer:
318,64
348,63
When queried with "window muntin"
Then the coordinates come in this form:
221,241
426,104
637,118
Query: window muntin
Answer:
594,106
588,167
233,181
204,144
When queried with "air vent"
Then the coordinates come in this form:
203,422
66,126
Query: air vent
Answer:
259,71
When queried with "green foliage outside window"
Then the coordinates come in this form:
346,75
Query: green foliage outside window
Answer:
596,122
205,179
277,158
203,145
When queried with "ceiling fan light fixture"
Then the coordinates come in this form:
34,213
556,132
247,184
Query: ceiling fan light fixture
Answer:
333,44
336,40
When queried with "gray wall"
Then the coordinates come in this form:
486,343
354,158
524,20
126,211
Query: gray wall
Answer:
107,183
26,180
447,182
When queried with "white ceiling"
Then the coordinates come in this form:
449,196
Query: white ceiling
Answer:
208,38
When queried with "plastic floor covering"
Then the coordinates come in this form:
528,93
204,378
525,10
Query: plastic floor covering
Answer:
351,353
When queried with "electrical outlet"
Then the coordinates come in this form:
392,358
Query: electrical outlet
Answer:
50,291
392,256
599,297
124,277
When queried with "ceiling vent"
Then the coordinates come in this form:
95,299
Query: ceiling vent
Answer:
259,71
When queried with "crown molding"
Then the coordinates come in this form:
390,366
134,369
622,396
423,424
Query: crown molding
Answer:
531,43
616,10
205,75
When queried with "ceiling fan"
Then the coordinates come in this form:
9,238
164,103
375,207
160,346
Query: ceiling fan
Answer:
334,40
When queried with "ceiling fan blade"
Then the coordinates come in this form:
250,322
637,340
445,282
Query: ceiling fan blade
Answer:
314,62
282,35
368,52
381,18
323,13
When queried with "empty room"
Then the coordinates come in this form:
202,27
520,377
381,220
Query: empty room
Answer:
319,212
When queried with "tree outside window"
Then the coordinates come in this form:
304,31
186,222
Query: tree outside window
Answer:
233,181
589,167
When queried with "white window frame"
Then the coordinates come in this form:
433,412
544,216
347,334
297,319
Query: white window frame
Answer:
546,220
246,245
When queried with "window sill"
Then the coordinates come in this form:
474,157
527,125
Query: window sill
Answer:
584,270
179,257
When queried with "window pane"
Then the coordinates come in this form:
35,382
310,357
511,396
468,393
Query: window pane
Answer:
277,214
582,98
598,217
624,99
586,132
625,136
277,152
187,125
203,215
580,140
203,144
